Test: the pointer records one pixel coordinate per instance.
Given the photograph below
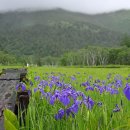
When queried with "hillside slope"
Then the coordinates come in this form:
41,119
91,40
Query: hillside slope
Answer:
116,21
52,32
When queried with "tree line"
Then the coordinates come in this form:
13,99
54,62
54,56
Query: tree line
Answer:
88,56
93,56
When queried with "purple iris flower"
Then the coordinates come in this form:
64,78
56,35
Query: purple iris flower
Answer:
90,77
85,84
74,108
43,83
17,87
97,81
127,91
60,114
59,84
35,90
48,95
52,100
55,78
68,112
127,78
114,91
74,95
21,85
37,78
73,78
108,89
29,92
89,103
89,88
54,97
65,100
81,94
118,83
42,91
110,84
101,89
51,84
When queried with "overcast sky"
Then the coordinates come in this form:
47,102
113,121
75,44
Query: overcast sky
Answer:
87,6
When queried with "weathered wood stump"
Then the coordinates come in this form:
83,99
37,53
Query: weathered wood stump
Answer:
21,104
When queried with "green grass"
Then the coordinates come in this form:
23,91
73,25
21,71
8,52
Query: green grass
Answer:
40,114
95,72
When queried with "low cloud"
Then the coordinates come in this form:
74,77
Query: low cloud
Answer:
86,6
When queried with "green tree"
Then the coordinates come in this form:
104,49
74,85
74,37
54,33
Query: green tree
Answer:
126,40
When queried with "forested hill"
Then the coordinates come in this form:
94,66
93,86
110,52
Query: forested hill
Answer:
117,21
53,32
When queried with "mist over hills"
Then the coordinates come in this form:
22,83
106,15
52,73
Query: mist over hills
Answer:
53,32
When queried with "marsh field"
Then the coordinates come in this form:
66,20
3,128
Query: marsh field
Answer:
70,98
69,65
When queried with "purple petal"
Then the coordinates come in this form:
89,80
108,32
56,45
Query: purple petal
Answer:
60,114
42,91
23,87
17,87
65,100
52,100
35,90
75,108
127,92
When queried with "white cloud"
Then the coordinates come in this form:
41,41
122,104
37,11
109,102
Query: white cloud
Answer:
88,6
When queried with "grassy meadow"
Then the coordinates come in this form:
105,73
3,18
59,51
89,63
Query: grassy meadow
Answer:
78,69
69,98
110,111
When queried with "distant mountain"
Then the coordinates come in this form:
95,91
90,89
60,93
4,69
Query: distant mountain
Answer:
116,21
52,32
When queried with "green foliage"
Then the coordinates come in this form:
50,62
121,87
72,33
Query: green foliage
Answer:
51,33
126,41
8,125
41,113
118,21
10,120
93,56
90,56
56,37
49,60
7,59
124,56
